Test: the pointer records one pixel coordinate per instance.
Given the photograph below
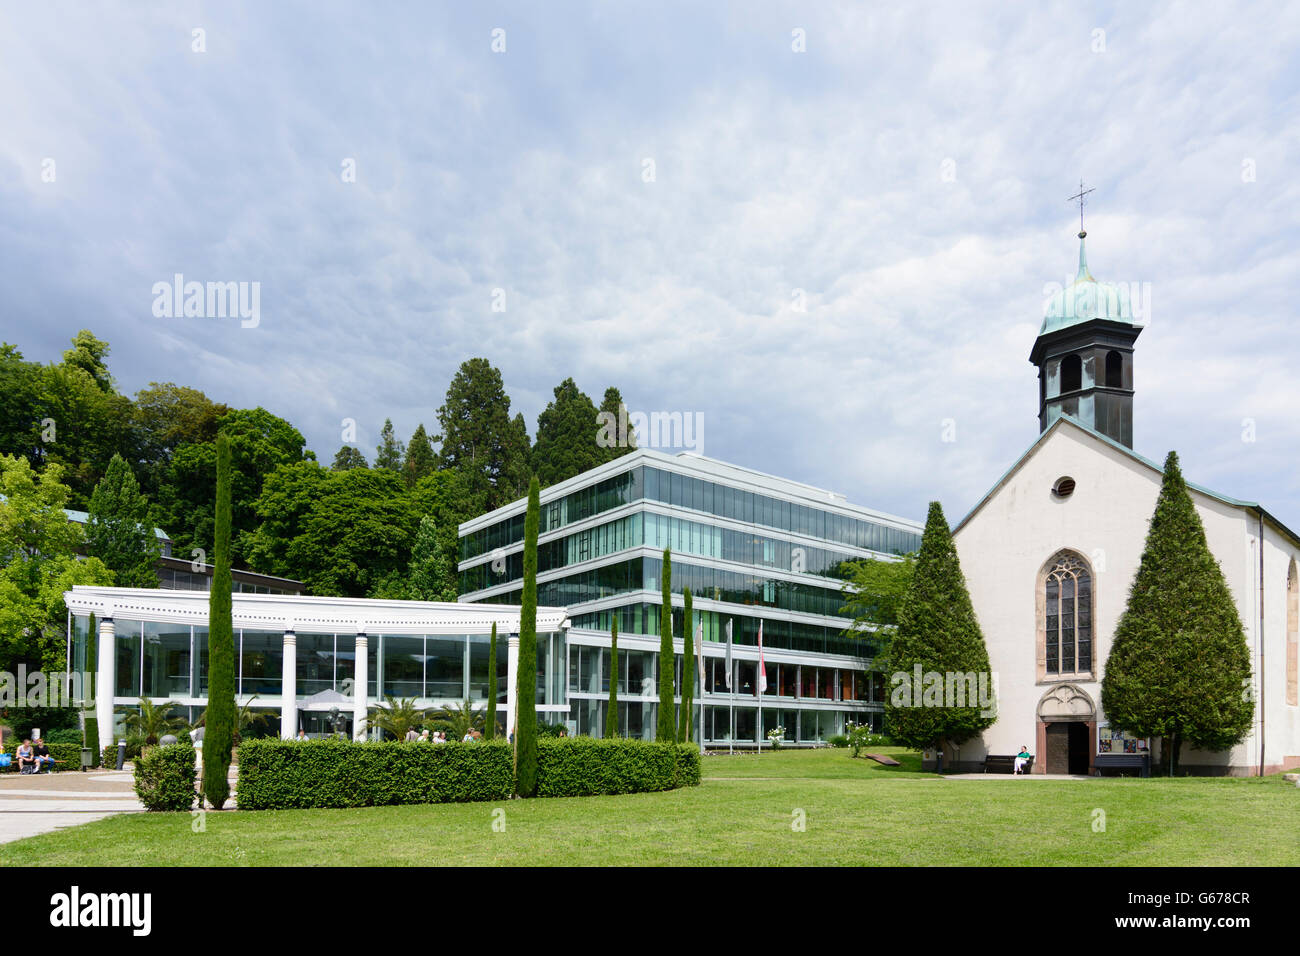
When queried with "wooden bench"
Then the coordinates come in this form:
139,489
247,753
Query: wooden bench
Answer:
1006,763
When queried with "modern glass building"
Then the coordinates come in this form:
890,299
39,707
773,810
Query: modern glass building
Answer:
752,548
316,663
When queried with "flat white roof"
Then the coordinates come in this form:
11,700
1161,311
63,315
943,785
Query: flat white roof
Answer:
709,469
297,612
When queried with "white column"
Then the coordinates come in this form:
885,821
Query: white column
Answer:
289,685
106,680
361,678
512,692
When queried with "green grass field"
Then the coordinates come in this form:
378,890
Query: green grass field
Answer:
855,812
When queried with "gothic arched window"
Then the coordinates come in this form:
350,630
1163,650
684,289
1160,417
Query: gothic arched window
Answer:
1067,621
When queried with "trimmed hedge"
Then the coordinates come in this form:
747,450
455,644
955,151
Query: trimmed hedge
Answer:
69,754
586,767
291,774
164,778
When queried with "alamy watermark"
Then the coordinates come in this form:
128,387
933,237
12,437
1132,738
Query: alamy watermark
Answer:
684,430
919,688
40,689
208,300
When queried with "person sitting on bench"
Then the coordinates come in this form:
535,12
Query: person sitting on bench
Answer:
26,759
43,758
1022,758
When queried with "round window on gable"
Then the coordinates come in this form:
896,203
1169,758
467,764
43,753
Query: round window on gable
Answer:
1063,488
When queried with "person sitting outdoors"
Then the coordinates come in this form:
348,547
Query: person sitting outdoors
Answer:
1022,758
43,758
26,758
302,735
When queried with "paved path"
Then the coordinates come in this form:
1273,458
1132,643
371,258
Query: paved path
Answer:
41,803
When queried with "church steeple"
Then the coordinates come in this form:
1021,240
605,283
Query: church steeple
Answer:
1084,353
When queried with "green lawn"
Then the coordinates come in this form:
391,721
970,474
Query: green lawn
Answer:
856,813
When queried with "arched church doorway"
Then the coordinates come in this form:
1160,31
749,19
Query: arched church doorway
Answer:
1067,731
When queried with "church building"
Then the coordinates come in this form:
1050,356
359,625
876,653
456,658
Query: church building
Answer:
1050,553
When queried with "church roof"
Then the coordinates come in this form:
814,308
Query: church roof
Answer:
1065,420
1086,299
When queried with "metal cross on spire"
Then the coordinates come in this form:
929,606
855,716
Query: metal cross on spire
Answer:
1080,196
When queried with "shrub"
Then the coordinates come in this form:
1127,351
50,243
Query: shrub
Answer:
64,735
551,730
288,774
584,766
838,740
68,755
860,738
164,778
134,745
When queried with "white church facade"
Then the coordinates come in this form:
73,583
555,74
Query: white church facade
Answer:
1051,551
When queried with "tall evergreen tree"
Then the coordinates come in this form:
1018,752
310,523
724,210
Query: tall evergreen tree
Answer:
420,457
612,410
220,725
688,671
348,457
390,452
90,723
666,726
566,436
119,531
480,439
490,721
1179,667
611,710
526,670
937,630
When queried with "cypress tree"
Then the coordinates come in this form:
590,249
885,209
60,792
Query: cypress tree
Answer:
688,672
937,630
490,723
666,726
526,672
611,712
220,723
90,734
1179,667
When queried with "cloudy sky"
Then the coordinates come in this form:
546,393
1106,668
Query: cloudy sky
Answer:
826,231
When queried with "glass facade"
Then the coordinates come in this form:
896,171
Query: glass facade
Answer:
697,494
158,660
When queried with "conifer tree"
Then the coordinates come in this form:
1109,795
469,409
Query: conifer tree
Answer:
220,724
611,711
526,671
420,458
938,630
90,733
666,726
490,721
119,531
688,671
390,452
1179,667
612,410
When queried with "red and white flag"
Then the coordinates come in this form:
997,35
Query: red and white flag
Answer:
762,668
